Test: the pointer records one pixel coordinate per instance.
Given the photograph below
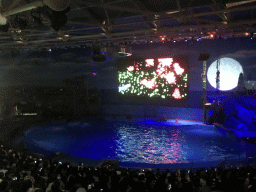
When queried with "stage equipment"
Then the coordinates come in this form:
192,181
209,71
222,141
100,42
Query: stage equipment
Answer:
57,19
57,5
218,76
204,57
115,51
97,56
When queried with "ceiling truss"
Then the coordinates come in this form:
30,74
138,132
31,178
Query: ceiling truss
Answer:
138,25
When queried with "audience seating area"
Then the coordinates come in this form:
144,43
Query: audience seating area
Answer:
21,171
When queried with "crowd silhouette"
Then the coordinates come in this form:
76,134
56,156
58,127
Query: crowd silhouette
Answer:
21,171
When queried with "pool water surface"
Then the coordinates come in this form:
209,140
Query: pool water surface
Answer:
135,142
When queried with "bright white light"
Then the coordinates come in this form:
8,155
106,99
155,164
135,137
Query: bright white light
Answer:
149,62
230,70
178,69
123,88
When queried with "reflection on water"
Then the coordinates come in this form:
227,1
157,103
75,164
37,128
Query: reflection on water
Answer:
149,145
136,142
174,144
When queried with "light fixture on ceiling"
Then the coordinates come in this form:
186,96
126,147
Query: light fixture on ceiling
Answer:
97,56
19,22
57,19
57,5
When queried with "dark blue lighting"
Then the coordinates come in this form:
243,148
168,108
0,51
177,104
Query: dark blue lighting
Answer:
135,142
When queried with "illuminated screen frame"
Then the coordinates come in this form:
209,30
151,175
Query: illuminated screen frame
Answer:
161,77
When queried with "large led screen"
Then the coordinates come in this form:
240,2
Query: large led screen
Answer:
164,78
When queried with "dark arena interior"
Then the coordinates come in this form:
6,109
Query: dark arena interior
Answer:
127,95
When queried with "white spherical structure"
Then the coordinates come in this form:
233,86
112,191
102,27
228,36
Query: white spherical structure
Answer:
230,70
57,5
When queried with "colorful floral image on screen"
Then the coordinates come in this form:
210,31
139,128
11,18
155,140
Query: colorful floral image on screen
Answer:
157,78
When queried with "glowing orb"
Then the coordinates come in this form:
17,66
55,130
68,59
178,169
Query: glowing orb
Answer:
230,70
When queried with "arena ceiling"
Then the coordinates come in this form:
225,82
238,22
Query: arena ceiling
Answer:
31,24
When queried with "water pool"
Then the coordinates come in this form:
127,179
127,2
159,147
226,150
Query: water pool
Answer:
135,142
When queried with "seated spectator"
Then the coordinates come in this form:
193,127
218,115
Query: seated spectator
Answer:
17,186
204,183
188,184
56,186
3,183
70,182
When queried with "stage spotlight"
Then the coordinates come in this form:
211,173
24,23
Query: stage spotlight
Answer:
58,19
19,23
57,5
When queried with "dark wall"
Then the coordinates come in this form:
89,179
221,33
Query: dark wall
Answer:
111,96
